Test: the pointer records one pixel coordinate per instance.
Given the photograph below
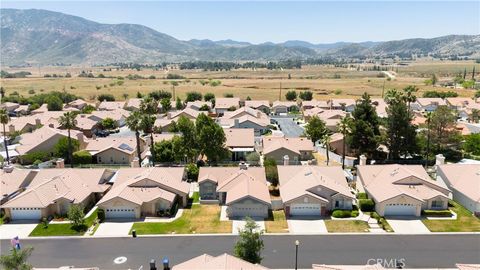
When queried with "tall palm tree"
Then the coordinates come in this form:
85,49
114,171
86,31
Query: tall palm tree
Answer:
134,123
4,119
429,119
17,260
409,96
326,142
344,128
68,121
148,123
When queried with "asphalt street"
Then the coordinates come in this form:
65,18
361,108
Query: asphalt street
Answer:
289,127
416,250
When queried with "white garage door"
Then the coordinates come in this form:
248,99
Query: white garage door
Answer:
250,210
26,213
305,209
400,210
120,213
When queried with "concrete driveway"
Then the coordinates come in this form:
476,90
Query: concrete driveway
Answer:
407,225
113,228
289,127
306,225
20,229
239,224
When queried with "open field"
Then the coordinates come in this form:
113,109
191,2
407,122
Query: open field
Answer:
325,81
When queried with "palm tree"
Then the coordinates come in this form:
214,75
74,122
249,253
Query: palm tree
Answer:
475,115
429,119
344,128
4,119
134,123
17,260
326,142
68,121
410,95
148,123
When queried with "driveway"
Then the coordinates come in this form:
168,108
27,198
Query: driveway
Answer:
114,228
407,225
289,127
22,230
306,225
238,224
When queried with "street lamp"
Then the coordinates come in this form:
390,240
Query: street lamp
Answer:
297,243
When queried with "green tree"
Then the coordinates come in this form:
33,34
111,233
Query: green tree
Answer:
164,151
159,95
365,132
192,171
474,116
409,95
434,79
472,144
291,95
82,157
344,128
134,123
192,96
76,216
17,259
166,105
253,158
54,103
306,95
326,139
63,146
315,129
4,119
271,171
148,125
108,123
105,97
209,96
210,138
68,121
250,245
178,104
189,138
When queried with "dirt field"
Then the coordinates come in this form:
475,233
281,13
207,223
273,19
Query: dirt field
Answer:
325,81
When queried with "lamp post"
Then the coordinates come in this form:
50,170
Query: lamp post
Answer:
297,243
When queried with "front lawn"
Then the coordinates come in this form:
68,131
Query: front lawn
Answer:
465,221
344,226
276,223
197,219
63,229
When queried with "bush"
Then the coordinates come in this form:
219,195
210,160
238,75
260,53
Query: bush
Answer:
61,148
362,195
54,103
375,215
209,96
291,95
105,97
173,76
192,96
437,213
34,156
338,213
82,157
101,215
192,172
366,205
159,95
253,158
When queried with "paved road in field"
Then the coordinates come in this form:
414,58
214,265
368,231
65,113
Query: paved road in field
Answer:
289,127
417,250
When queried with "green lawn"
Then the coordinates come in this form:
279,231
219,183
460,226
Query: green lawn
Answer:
63,229
277,223
196,197
465,221
339,226
198,219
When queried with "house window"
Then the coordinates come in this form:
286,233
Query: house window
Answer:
437,204
337,204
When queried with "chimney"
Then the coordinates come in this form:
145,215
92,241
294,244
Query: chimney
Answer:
243,165
135,163
60,163
363,160
286,160
236,123
439,159
11,129
38,122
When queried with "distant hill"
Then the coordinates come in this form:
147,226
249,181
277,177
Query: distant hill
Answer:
46,37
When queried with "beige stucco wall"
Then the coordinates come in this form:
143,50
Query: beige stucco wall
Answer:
280,153
114,156
402,199
247,202
118,202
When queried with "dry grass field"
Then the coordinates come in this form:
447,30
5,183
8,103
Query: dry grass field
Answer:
325,81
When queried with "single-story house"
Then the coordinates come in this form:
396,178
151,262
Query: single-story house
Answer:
86,125
133,104
344,104
279,107
243,190
427,104
464,182
22,110
223,105
313,190
402,190
9,107
296,149
14,182
165,123
310,104
77,103
29,123
240,142
53,191
261,105
245,117
220,262
140,192
110,105
114,150
118,115
198,104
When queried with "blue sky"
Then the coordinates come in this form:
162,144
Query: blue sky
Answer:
256,22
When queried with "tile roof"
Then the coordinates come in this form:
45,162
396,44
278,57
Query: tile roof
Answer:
29,141
221,262
111,105
239,137
124,144
257,103
271,143
464,178
225,103
13,181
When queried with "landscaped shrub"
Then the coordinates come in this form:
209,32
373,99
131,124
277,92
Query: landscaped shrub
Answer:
82,157
366,205
374,215
101,215
354,213
362,195
437,213
338,213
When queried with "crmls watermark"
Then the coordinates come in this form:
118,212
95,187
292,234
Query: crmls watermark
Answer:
387,263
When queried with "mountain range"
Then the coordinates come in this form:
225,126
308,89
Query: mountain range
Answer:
47,37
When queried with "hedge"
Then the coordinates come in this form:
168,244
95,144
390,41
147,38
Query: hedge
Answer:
101,215
437,213
338,213
366,205
82,157
362,195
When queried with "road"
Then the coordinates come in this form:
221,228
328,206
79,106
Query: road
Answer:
417,250
289,127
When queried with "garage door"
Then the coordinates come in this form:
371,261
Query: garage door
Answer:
305,209
26,213
400,210
120,213
248,210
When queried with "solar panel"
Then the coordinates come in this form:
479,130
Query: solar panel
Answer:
124,146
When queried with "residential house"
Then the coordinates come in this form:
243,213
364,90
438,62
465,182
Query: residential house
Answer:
223,105
133,104
310,104
401,190
245,117
22,110
118,115
140,192
198,104
166,123
86,125
240,142
42,109
427,104
31,122
313,190
330,117
344,104
261,105
111,105
53,191
243,190
380,107
292,149
78,104
283,107
220,262
14,182
9,107
114,150
464,182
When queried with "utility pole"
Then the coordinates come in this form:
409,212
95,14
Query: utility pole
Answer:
173,92
280,94
383,89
